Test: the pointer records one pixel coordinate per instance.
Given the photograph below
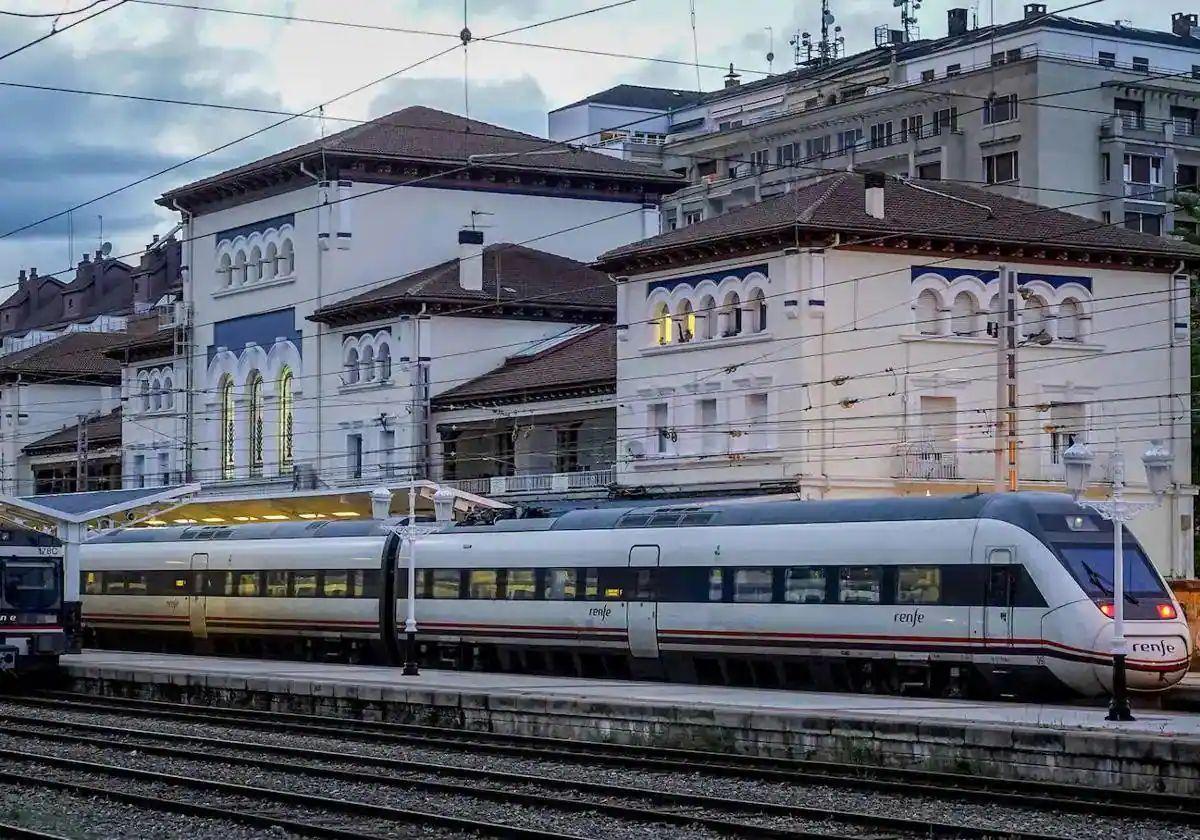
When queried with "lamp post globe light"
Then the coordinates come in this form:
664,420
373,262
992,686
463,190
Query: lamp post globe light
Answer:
1077,463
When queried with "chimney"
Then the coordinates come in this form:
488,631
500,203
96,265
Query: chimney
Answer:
1184,25
956,22
470,260
21,279
873,188
84,261
732,79
99,256
1034,10
32,274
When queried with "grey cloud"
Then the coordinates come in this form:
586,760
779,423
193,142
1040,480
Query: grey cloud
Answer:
515,103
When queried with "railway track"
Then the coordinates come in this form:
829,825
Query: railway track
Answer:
1028,794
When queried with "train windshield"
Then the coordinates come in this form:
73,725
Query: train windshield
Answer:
29,585
1092,568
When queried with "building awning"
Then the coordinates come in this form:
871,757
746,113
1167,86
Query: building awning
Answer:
129,505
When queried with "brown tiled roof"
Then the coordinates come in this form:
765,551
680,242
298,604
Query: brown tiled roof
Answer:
581,364
104,430
418,133
76,358
512,275
934,208
143,339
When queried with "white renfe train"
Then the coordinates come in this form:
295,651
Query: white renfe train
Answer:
977,595
35,625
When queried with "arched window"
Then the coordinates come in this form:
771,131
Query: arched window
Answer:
287,258
962,314
144,391
926,315
1068,320
685,322
385,362
367,363
707,317
239,268
168,392
156,397
662,324
758,311
285,432
254,267
1033,318
352,366
271,262
993,316
731,315
225,271
227,426
254,388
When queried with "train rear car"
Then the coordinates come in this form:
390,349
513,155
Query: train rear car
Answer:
34,625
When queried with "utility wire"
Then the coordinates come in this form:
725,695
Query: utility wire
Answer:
56,31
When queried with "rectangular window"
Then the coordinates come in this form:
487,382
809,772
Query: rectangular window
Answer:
1106,216
644,584
522,585
1105,166
787,154
1187,176
1000,109
1130,112
387,452
706,419
92,584
753,586
1067,421
659,429
944,120
216,583
164,469
610,583
912,127
1106,59
481,584
860,584
804,585
953,69
1143,169
369,583
760,160
716,585
816,147
927,75
1012,55
354,455
445,583
1141,64
756,420
591,586
997,59
930,171
336,584
692,217
304,584
246,585
277,584
881,134
849,139
561,584
1001,168
1144,222
918,585
139,470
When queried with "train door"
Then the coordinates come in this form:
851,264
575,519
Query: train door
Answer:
641,602
1000,585
197,609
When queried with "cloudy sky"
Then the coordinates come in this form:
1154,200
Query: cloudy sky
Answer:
61,149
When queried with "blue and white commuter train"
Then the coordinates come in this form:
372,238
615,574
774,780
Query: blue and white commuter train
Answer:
35,624
975,595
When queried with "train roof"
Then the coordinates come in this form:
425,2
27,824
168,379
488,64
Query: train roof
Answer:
321,528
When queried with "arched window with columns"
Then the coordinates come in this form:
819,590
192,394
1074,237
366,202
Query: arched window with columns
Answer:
226,270
661,324
352,366
1070,327
156,397
254,440
228,426
254,266
367,363
287,258
144,391
239,269
731,315
286,430
758,311
685,322
1034,317
926,316
962,314
384,360
707,317
168,386
271,262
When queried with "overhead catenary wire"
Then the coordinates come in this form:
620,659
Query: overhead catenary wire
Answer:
60,30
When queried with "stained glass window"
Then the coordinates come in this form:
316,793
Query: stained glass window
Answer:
227,427
255,387
286,433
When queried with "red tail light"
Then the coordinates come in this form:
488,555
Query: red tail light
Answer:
1106,607
1166,611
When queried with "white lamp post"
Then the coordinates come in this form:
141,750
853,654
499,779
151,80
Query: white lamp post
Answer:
1077,461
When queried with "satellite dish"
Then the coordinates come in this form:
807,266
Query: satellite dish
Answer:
635,449
827,18
106,248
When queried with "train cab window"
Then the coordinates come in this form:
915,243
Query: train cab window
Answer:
276,584
716,584
445,583
246,584
30,584
304,584
336,584
804,585
522,585
753,586
92,584
561,584
860,584
482,583
216,583
918,585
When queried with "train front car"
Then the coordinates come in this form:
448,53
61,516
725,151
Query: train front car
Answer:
1080,625
33,631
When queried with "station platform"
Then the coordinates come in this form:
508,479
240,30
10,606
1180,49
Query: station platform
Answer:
1158,751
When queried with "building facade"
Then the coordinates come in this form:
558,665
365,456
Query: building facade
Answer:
837,342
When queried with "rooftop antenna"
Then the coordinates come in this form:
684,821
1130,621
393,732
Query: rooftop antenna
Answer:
827,49
770,49
908,18
100,239
695,47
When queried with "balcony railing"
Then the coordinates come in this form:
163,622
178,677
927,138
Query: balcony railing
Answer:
1146,192
1181,126
507,485
925,460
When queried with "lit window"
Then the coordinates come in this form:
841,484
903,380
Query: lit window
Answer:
227,427
662,324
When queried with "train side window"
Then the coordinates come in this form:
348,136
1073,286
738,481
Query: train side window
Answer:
522,585
368,584
216,583
561,584
804,585
643,584
918,585
860,584
1001,585
481,585
611,583
445,583
93,583
716,584
304,584
753,586
246,585
336,584
591,588
114,583
277,584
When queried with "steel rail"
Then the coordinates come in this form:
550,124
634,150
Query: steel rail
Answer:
1025,793
923,828
20,832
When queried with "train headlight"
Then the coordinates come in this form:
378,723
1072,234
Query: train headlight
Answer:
1166,611
1107,608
